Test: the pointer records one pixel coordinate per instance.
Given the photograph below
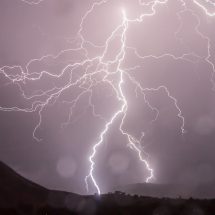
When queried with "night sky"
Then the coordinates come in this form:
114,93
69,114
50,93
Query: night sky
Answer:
49,121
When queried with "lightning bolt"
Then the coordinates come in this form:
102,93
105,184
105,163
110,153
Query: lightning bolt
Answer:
133,142
122,111
32,2
93,68
204,8
208,57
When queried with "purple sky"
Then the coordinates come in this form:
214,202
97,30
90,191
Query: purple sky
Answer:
173,48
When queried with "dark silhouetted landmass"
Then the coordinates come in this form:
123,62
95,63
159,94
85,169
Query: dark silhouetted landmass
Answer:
200,191
19,196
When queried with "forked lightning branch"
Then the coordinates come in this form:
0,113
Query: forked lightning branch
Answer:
86,81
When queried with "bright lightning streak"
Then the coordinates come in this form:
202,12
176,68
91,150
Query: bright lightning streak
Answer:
32,2
208,57
41,99
121,97
198,3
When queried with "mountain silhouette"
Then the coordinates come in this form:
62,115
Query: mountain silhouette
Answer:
19,196
15,190
199,191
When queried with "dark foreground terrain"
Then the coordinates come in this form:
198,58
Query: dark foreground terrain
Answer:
19,196
199,191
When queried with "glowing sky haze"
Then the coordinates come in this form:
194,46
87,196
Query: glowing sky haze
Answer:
100,93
